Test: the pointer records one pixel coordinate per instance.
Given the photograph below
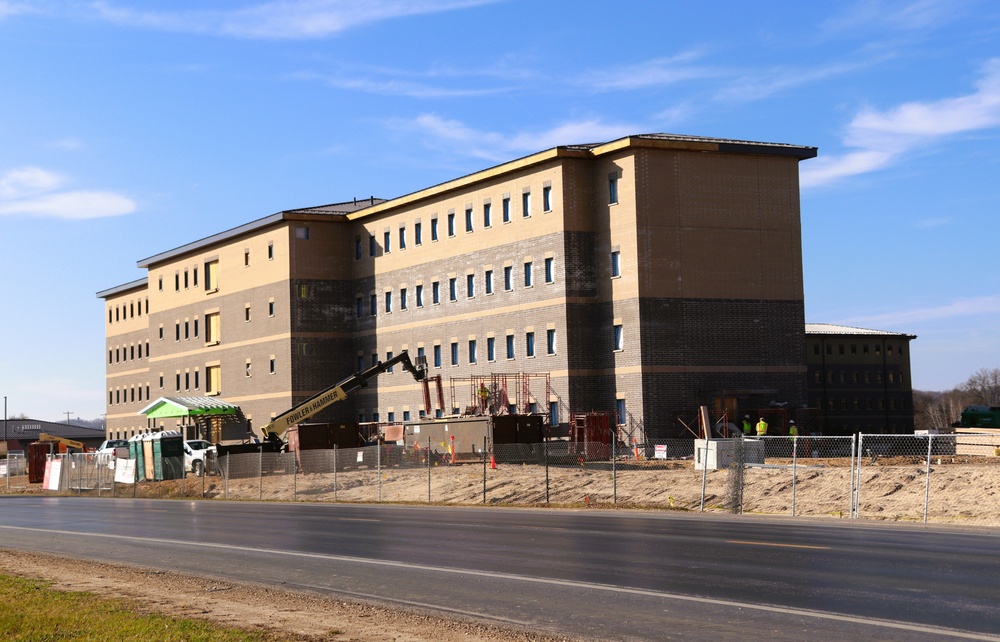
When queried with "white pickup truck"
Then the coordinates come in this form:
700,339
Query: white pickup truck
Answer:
198,453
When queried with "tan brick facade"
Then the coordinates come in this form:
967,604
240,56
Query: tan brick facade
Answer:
651,274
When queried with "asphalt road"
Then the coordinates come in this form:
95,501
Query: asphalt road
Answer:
609,575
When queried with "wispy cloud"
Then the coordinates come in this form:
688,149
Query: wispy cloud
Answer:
460,139
879,138
760,84
650,73
974,306
280,19
35,192
398,86
898,15
8,9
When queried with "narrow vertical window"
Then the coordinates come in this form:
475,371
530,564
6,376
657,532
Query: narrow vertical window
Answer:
388,301
418,233
549,275
436,292
487,215
473,356
420,296
372,305
613,189
468,219
505,207
546,199
616,263
437,356
528,274
526,204
386,243
619,337
357,249
371,245
550,341
434,229
470,285
529,344
491,349
451,224
454,353
508,278
489,281
402,299
510,346
453,289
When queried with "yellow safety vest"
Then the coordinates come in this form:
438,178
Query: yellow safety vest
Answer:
761,427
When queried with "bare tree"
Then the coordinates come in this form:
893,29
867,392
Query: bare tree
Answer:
937,410
983,388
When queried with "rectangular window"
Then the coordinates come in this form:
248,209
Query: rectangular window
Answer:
527,274
194,282
470,285
270,308
302,232
185,279
505,208
436,292
491,349
454,353
619,337
177,282
616,264
508,278
526,204
529,344
510,346
272,366
270,252
212,276
620,411
213,328
195,335
177,331
360,307
546,199
437,356
402,238
402,299
613,189
453,289
388,301
550,341
213,380
388,357
178,385
248,369
434,229
187,330
246,314
246,258
549,274
451,224
472,351
420,296
371,245
487,215
197,381
372,305
468,219
418,233
386,243
489,281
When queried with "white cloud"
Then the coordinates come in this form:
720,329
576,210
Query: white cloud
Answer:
8,9
397,87
974,306
281,19
461,139
650,73
898,15
31,191
881,137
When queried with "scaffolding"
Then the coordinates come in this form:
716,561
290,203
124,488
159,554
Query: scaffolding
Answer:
503,393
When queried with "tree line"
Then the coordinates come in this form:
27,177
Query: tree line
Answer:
936,410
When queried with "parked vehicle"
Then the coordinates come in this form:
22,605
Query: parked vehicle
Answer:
198,453
111,446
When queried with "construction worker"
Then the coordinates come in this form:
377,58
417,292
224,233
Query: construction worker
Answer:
761,427
793,430
484,395
747,428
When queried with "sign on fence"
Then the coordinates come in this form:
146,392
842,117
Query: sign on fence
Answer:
660,451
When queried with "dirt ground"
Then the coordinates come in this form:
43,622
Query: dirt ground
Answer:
962,490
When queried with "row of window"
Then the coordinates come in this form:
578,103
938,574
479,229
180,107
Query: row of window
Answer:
188,278
190,328
189,380
128,310
134,352
866,376
876,349
866,403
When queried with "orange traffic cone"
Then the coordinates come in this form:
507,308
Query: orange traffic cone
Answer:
493,462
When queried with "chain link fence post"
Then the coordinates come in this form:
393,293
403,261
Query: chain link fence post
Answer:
427,453
545,455
614,466
795,456
702,456
858,472
484,469
927,476
378,468
335,458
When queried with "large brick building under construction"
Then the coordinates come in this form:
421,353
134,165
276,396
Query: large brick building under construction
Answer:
644,276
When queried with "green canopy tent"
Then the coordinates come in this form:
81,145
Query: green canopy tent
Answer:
190,407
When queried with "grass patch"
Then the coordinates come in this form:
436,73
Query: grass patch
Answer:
32,611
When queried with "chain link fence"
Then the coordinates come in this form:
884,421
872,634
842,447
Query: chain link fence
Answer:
929,478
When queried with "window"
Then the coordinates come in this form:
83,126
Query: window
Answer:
487,215
371,245
194,282
508,278
454,353
187,330
527,274
213,380
270,308
526,204
402,299
420,296
177,282
177,331
402,238
360,306
550,341
406,415
546,199
619,337
248,369
437,356
161,333
489,281
491,349
361,362
613,189
434,229
420,351
620,411
388,301
451,224
185,279
388,357
212,276
529,344
470,285
272,366
616,264
472,351
510,346
436,292
452,289
270,251
468,219
357,249
160,280
505,207
213,330
418,233
302,232
386,243
372,305
195,334
549,275
246,314
178,381
246,258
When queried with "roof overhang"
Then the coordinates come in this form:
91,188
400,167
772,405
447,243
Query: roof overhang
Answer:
187,407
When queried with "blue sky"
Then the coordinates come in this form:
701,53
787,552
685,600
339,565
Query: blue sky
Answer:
129,128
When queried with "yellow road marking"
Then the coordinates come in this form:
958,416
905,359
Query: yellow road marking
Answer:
737,541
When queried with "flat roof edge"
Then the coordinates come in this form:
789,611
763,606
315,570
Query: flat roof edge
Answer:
125,287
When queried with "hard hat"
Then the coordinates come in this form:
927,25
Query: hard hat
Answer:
791,421
746,416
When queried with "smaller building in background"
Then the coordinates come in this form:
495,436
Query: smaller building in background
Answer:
859,379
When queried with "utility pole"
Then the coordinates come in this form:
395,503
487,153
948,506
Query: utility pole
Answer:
67,413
